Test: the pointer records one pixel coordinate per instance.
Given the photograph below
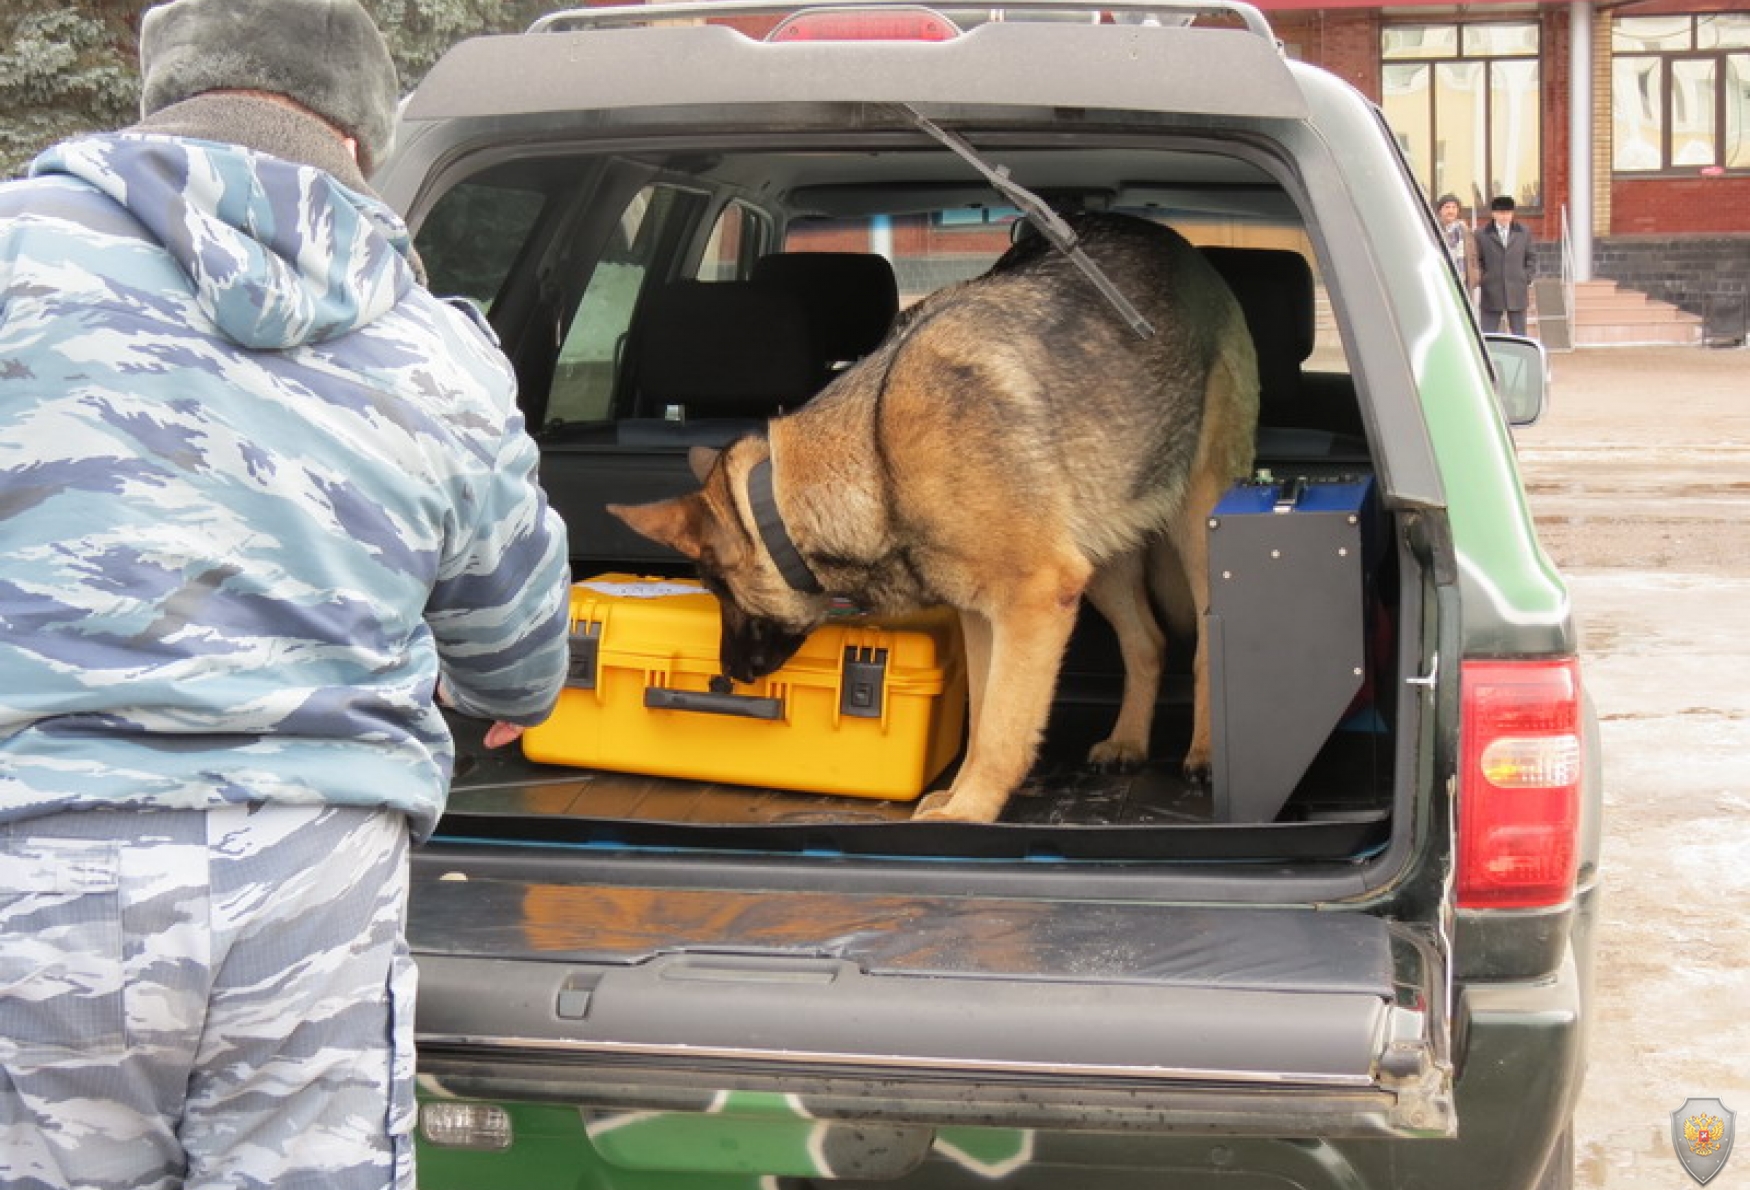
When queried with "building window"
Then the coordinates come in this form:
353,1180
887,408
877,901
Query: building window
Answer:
1464,102
1680,93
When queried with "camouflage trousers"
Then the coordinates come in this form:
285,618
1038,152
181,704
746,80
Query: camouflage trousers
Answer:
204,999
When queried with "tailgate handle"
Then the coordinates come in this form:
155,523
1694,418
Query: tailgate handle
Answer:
706,702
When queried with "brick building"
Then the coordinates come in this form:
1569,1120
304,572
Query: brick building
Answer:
1622,130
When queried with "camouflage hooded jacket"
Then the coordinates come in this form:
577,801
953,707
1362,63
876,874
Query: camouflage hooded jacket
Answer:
256,487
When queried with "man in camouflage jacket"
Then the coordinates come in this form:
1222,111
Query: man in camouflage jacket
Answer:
259,492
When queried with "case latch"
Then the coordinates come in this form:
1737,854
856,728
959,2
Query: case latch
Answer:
585,642
865,677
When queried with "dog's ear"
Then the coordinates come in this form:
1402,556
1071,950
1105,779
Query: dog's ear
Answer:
701,459
678,523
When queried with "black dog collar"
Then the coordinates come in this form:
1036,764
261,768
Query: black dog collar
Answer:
770,524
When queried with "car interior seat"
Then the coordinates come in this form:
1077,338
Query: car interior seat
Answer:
851,299
1298,412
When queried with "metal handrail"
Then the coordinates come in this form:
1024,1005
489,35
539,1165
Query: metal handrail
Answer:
1567,253
1565,246
637,14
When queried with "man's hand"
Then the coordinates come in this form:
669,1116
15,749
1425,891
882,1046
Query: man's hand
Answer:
500,734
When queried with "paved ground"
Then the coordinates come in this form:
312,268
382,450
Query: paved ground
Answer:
1640,479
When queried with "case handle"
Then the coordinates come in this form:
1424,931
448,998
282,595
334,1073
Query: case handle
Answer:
705,702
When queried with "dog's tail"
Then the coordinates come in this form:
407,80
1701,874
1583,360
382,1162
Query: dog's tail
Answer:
1226,449
1232,400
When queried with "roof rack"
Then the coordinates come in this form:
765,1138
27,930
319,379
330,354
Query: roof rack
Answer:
1137,11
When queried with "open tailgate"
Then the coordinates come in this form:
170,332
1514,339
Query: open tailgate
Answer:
924,1009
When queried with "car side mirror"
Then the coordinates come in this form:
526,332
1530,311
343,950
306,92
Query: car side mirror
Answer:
1521,368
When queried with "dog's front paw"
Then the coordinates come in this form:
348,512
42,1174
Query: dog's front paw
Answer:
948,806
1116,756
1198,769
933,807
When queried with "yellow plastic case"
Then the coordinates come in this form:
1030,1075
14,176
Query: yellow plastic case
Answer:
869,707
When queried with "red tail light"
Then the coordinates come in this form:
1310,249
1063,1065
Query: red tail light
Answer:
1519,783
866,24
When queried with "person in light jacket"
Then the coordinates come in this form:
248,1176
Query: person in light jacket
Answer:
262,493
1461,244
1508,261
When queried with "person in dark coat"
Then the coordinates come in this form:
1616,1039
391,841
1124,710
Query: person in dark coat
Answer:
1508,261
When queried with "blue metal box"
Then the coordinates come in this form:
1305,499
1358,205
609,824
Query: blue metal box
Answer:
1290,564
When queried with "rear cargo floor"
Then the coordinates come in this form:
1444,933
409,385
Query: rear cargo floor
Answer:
1056,794
1064,809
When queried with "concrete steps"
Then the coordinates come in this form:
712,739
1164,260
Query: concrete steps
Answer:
1604,315
1607,315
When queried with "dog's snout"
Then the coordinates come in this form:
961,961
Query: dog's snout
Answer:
755,648
748,668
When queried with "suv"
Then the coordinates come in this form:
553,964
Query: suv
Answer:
1360,957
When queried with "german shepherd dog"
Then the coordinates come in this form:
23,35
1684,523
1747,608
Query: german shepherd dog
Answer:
1012,446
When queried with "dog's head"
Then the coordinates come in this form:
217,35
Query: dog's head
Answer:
765,617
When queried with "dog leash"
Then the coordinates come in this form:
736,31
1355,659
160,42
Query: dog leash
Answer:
1051,225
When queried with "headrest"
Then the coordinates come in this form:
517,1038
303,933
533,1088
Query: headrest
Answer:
851,297
724,349
1274,287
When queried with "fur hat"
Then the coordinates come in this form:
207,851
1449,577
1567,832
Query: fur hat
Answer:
1501,202
326,55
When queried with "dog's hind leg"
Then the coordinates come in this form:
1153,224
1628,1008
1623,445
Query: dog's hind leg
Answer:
975,635
1119,592
1190,555
1029,630
1224,454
